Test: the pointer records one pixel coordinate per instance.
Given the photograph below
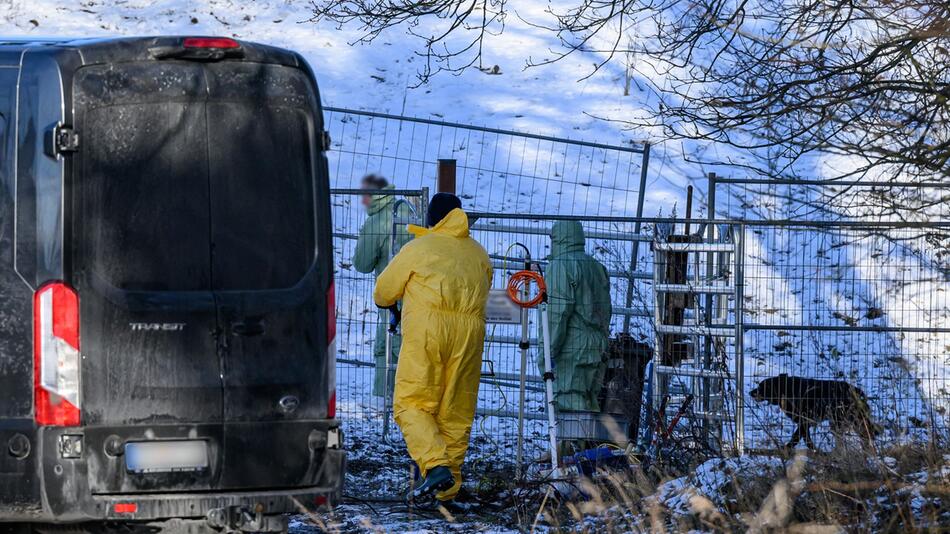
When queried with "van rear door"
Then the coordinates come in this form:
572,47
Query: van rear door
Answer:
147,312
203,303
263,271
265,277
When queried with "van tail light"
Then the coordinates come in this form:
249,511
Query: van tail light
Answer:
56,357
199,49
210,42
331,350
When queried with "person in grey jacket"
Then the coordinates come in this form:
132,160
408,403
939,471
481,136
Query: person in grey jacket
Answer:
373,250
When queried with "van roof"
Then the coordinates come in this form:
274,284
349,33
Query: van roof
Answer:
117,49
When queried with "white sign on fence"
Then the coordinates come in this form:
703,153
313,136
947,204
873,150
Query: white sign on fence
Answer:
501,309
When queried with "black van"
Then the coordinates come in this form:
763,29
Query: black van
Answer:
166,289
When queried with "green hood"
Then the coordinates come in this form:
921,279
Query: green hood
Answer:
381,202
566,236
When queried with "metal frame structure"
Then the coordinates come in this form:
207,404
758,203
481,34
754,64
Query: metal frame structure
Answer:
596,426
923,233
697,303
718,310
643,149
711,306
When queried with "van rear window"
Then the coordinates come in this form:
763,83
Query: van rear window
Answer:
261,195
189,183
145,196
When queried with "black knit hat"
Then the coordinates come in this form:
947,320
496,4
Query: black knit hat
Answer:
440,206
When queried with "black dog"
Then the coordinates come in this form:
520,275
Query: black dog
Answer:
808,402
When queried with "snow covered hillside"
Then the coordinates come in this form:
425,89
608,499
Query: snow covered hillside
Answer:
379,77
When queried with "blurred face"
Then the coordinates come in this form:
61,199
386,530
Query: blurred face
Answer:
370,182
366,199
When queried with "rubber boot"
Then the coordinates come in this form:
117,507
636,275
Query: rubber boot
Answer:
421,503
437,479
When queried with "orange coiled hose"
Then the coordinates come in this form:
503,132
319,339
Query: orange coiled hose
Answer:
520,281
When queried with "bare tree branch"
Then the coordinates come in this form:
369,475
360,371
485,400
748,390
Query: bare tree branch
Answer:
788,82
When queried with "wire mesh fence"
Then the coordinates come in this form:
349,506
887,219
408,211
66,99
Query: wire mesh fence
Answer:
365,237
828,200
583,318
858,306
498,170
762,328
507,421
861,305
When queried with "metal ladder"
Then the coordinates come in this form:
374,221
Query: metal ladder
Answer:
697,303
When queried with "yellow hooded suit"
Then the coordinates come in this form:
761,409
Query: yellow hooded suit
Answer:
442,278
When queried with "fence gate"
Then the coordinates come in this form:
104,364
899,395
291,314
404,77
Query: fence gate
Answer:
698,296
360,249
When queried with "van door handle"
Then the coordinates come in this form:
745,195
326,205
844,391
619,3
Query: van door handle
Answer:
247,328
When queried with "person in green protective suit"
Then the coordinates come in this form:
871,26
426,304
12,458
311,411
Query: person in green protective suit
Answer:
579,312
373,250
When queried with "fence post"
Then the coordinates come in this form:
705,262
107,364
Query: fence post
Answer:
710,301
445,181
424,206
740,341
522,380
644,166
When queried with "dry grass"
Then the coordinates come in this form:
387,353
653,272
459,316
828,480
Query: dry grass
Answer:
901,488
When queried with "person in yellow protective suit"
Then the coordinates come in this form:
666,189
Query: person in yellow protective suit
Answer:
442,278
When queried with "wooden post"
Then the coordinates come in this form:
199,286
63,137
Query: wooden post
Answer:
689,208
446,178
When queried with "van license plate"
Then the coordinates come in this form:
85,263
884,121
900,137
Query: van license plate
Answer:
166,456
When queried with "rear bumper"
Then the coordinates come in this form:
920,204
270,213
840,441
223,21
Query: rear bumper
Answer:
89,488
199,505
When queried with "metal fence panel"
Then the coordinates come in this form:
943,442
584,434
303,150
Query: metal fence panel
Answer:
358,319
498,170
505,236
811,200
496,431
861,303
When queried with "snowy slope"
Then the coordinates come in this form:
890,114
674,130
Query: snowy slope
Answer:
378,77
